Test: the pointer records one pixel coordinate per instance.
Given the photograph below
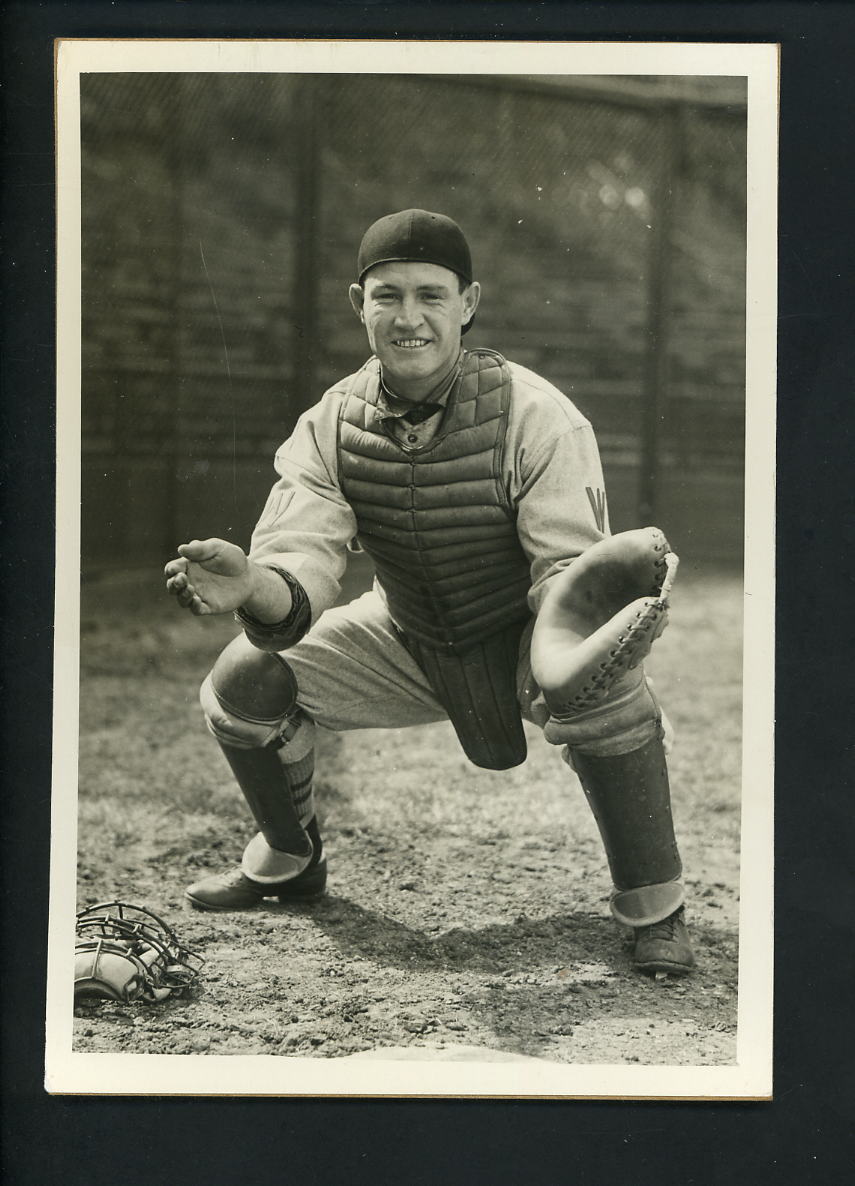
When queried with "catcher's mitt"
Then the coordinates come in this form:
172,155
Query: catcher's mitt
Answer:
600,618
125,953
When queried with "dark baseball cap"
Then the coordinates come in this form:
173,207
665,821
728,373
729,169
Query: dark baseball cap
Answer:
415,236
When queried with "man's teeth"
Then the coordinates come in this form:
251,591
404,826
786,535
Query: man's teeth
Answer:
411,343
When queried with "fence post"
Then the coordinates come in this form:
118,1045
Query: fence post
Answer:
656,362
310,96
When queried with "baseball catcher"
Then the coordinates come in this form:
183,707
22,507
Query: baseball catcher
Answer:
500,595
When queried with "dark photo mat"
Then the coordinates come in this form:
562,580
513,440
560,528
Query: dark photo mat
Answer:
400,1141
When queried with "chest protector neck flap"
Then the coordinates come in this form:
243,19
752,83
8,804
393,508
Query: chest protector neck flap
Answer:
438,525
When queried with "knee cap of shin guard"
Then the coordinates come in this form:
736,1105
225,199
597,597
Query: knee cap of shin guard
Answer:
246,697
624,723
256,683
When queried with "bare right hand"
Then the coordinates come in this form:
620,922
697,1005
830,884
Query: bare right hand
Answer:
210,576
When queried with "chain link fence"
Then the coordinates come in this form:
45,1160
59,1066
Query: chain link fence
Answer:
221,217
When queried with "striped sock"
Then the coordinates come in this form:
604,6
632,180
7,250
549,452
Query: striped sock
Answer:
297,756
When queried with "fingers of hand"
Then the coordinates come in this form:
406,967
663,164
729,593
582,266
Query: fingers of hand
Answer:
181,588
184,592
189,599
174,567
201,549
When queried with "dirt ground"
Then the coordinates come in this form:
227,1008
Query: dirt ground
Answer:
467,911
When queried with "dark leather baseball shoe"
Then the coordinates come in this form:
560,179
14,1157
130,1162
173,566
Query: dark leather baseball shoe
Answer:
233,890
664,946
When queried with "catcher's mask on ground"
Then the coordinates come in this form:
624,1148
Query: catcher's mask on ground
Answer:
126,953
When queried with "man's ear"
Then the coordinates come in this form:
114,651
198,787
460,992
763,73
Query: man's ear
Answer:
471,297
357,298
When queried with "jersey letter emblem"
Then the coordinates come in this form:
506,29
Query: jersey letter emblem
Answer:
597,499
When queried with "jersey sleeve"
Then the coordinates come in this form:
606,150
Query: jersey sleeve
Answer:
306,523
556,484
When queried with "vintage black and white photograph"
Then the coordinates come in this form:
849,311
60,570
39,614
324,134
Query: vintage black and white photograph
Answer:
414,635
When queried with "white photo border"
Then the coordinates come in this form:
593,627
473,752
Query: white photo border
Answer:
71,1072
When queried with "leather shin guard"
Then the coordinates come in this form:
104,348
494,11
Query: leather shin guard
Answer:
246,700
262,780
629,796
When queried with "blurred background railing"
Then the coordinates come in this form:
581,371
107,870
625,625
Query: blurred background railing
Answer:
221,218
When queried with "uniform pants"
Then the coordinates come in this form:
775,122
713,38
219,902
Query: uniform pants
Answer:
353,672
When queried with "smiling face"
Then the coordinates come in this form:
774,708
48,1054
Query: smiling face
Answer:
413,313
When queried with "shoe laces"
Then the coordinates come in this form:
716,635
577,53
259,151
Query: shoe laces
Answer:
233,877
664,929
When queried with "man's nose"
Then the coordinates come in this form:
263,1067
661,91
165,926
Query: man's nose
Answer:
409,314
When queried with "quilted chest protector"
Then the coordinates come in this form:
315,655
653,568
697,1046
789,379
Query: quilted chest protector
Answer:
438,526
